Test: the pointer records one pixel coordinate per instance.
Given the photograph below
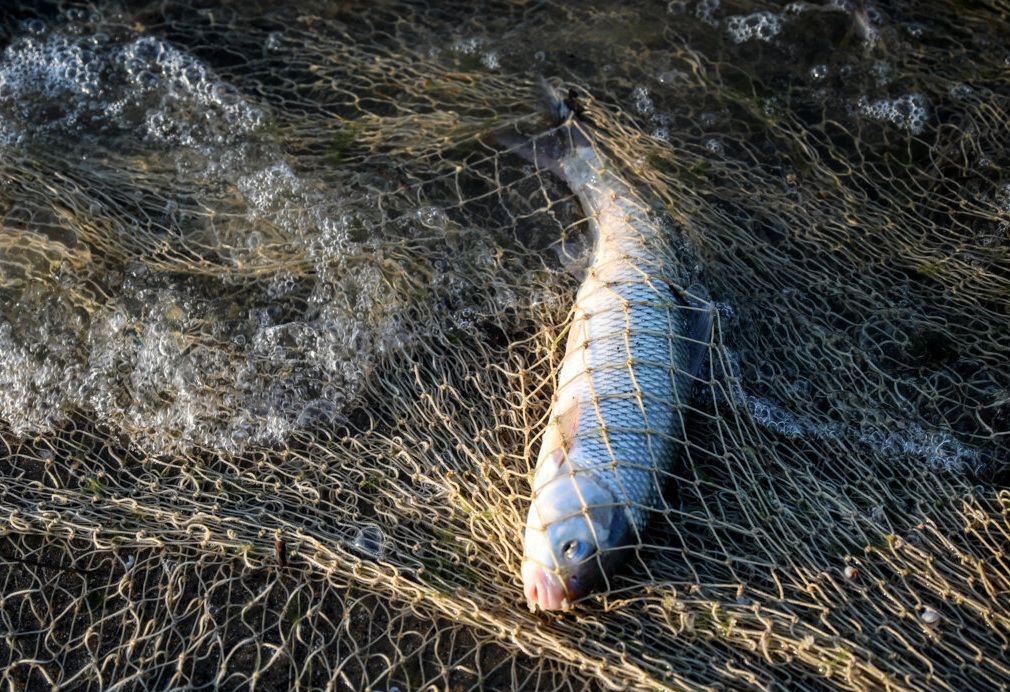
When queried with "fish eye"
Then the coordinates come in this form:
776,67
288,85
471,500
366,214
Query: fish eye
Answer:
574,550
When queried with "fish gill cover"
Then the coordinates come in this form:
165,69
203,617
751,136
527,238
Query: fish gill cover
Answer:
280,316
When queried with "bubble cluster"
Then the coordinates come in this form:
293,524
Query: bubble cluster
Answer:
909,112
641,101
705,11
491,60
478,46
34,377
62,72
64,84
882,72
960,92
643,104
940,450
761,26
269,188
188,104
166,359
1003,198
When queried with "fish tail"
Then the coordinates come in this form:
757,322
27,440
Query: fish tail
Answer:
553,102
568,120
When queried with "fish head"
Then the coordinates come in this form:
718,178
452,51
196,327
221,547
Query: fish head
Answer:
576,532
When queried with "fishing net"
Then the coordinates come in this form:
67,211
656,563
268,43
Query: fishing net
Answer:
280,320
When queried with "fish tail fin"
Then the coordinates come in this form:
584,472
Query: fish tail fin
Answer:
568,120
566,111
554,104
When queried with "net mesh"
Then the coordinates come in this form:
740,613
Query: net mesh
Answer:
280,322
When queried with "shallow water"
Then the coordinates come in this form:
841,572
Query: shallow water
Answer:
170,145
271,254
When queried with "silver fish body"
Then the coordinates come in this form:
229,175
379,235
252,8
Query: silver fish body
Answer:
634,345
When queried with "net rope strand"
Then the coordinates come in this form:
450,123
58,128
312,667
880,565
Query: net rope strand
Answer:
278,341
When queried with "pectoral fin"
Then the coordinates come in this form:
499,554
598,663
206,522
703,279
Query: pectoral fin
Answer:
700,319
574,254
558,439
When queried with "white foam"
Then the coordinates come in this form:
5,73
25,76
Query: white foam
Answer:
470,45
761,26
63,83
641,101
491,60
35,384
937,448
909,112
705,11
882,72
269,188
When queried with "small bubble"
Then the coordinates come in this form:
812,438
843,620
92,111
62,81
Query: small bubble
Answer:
490,60
370,540
641,101
33,26
882,72
705,11
959,92
672,77
432,217
318,412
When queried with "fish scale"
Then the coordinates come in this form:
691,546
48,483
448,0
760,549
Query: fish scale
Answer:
620,366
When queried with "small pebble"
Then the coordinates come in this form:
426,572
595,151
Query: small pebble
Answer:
851,573
930,616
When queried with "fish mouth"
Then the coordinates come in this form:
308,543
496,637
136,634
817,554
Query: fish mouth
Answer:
543,589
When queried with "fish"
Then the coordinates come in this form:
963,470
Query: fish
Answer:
636,343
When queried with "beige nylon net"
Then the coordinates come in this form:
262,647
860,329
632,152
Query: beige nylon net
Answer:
279,321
